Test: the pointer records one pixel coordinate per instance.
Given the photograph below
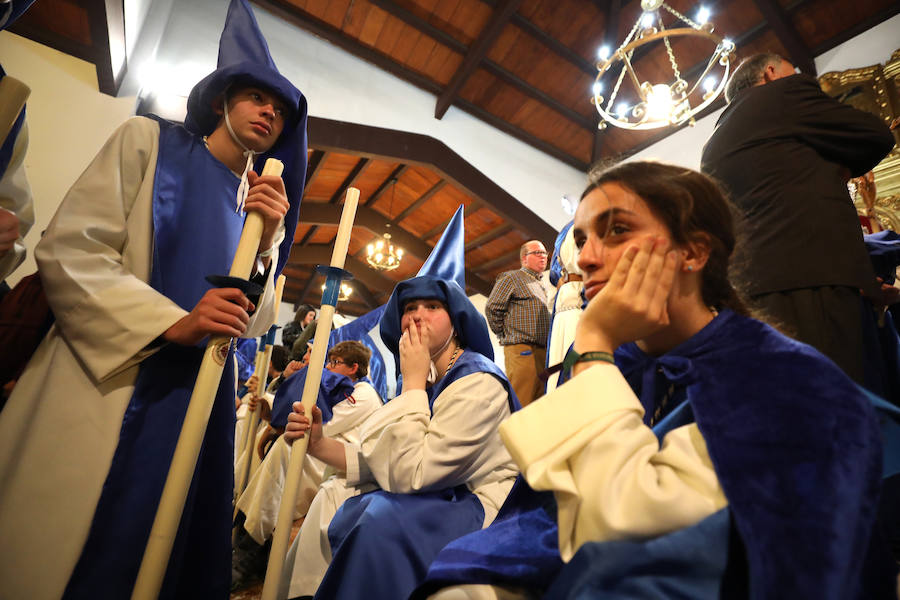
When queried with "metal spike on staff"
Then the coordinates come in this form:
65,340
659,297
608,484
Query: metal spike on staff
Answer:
181,471
335,274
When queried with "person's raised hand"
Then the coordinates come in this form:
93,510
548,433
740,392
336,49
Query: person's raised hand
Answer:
268,198
298,424
632,304
415,358
221,311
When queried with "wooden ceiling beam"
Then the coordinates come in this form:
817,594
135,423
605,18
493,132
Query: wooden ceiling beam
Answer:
420,201
383,186
364,293
418,149
778,20
857,29
349,180
291,14
550,42
475,54
490,236
613,10
315,163
488,65
328,214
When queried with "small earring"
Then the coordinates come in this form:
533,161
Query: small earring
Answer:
690,267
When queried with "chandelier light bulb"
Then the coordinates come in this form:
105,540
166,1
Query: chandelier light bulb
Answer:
603,52
647,20
597,88
399,253
622,109
659,101
709,84
379,244
703,15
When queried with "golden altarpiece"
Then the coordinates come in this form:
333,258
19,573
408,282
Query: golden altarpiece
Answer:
875,89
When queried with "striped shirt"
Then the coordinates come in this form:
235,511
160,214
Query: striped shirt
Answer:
517,308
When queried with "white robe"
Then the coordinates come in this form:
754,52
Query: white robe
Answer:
405,448
60,427
262,497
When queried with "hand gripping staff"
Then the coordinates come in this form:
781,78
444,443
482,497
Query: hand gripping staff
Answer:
335,273
171,504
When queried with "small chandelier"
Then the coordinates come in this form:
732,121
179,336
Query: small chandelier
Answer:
665,103
345,293
382,254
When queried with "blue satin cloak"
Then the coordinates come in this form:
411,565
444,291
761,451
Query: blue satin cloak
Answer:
797,449
382,543
196,231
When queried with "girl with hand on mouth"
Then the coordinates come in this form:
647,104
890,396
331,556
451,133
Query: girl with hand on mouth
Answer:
432,455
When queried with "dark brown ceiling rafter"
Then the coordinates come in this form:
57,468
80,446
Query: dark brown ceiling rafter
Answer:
303,20
613,10
857,29
476,53
315,163
367,218
551,43
415,148
349,180
420,201
490,236
106,21
384,185
778,20
488,65
364,293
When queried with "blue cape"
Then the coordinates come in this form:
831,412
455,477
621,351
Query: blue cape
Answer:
332,389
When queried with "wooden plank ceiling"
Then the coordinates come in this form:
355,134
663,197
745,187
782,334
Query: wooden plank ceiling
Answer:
526,66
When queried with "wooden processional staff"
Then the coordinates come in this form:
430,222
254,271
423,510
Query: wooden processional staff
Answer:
181,471
335,273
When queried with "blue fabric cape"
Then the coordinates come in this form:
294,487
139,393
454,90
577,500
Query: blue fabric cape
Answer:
382,543
192,207
797,449
332,389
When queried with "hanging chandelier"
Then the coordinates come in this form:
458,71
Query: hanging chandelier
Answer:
382,254
344,294
663,103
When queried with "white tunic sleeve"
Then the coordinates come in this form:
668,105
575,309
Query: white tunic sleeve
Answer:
106,313
15,196
586,442
348,414
407,449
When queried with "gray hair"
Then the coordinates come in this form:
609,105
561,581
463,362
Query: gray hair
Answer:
749,72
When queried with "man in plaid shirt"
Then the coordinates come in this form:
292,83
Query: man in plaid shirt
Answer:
517,312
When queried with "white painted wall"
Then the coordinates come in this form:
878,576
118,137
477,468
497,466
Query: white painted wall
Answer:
68,122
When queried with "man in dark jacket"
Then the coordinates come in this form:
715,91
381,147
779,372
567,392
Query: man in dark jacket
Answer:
784,151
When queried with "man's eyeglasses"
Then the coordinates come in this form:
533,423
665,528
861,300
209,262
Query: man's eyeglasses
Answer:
335,362
538,252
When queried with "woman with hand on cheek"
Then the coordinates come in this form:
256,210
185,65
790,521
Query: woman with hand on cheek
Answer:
433,453
695,452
